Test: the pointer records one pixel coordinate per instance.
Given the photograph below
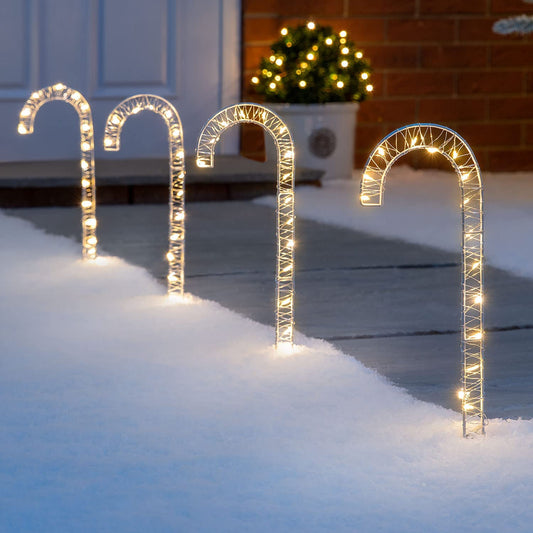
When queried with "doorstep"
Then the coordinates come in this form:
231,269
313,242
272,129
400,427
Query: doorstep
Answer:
56,183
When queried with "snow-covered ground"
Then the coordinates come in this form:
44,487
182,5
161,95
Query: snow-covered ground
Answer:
422,206
124,412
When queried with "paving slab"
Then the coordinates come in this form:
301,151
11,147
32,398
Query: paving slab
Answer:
392,305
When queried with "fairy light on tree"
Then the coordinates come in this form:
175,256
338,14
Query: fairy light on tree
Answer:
27,115
256,114
113,129
314,65
435,138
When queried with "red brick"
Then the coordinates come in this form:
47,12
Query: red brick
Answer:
419,83
368,135
420,30
529,82
511,7
511,108
381,7
311,8
360,30
252,56
451,110
454,56
512,55
493,82
510,160
392,56
529,134
453,7
261,29
481,30
490,134
376,111
260,6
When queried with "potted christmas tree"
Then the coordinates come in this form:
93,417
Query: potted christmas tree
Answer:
314,79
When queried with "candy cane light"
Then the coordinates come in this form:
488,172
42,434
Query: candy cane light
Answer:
88,196
176,236
435,138
256,114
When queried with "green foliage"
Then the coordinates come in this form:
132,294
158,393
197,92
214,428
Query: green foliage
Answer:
312,64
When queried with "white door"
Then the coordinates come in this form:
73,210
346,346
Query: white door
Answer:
187,51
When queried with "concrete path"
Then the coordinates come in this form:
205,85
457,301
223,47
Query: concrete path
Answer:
394,306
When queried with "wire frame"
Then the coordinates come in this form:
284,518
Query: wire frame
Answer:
176,236
256,114
435,138
88,192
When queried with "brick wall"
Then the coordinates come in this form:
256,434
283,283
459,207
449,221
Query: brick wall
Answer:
433,60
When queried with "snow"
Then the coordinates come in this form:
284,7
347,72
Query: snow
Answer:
422,206
123,411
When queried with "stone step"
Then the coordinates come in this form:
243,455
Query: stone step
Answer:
56,183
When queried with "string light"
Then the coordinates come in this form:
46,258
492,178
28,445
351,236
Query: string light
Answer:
176,232
311,25
256,114
59,91
435,138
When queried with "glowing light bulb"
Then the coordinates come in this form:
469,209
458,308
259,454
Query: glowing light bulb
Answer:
454,154
108,141
345,50
84,165
92,240
272,58
86,203
85,183
432,149
26,112
76,95
364,76
284,31
255,80
311,25
115,119
343,33
58,87
460,394
85,127
369,88
302,83
328,41
272,85
478,299
344,63
381,151
358,55
340,84
91,222
170,256
310,56
85,146
22,129
279,61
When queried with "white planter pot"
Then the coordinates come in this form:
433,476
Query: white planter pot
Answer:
323,135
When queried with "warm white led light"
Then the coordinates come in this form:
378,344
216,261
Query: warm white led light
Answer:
176,231
262,116
88,193
435,138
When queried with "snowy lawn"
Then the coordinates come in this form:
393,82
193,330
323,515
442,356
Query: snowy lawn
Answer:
423,206
123,412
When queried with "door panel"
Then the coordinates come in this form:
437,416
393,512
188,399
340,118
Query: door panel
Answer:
184,50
